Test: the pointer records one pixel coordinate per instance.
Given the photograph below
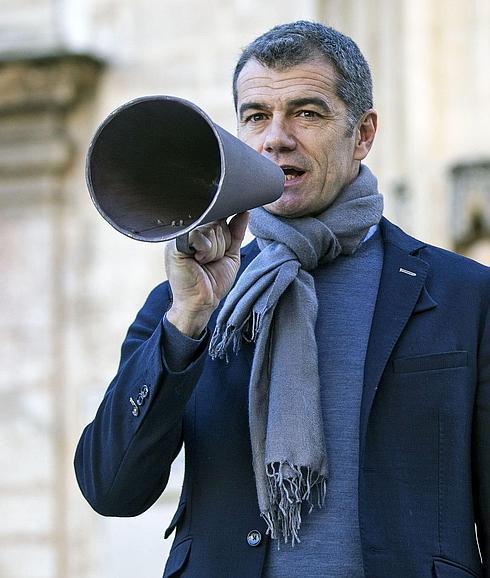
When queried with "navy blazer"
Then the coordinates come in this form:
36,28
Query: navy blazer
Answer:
424,469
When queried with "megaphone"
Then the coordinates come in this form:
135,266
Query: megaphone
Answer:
158,166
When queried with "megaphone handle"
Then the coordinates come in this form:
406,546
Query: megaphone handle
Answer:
183,244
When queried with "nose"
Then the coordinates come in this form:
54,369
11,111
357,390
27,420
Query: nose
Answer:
278,137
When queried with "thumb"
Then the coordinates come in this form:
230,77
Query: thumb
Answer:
238,228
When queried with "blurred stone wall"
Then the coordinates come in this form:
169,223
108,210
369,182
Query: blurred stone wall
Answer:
71,285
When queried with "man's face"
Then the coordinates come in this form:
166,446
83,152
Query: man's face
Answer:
294,118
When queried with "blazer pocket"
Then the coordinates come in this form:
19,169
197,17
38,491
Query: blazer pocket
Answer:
175,520
431,362
448,569
177,558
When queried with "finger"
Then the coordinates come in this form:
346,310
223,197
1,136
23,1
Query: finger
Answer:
238,228
224,238
209,243
199,240
226,231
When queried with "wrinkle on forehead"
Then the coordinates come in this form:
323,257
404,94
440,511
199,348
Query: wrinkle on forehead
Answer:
266,92
312,77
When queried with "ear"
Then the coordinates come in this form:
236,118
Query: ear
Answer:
365,131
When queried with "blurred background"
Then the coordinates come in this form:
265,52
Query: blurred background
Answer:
71,284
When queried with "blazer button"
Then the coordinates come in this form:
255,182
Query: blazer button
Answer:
135,409
254,538
144,391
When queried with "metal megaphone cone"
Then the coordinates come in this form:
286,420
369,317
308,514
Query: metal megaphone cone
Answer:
158,167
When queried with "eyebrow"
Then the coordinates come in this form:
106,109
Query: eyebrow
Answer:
252,106
308,101
292,104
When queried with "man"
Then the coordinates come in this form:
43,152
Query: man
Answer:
336,400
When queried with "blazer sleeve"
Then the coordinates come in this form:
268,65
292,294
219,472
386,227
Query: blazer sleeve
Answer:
481,446
123,458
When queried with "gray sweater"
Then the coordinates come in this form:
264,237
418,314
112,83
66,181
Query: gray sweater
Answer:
330,542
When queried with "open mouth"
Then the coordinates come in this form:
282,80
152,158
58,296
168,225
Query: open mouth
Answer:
292,173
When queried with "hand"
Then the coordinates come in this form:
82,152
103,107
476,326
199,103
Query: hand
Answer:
200,281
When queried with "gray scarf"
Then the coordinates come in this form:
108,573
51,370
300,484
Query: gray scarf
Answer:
274,304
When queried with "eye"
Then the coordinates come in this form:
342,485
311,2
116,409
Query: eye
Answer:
255,117
308,114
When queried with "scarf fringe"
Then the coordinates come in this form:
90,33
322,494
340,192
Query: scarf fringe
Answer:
234,336
287,495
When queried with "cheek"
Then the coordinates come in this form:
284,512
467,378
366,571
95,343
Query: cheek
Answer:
324,164
335,159
253,140
321,150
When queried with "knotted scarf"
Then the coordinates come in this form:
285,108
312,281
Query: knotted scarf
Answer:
274,305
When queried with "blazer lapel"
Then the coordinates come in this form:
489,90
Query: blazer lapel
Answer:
425,302
401,292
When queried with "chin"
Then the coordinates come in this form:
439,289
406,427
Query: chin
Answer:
282,212
284,209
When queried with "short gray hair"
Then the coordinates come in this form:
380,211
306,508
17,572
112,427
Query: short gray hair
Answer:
290,44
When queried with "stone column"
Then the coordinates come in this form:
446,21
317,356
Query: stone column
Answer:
37,97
